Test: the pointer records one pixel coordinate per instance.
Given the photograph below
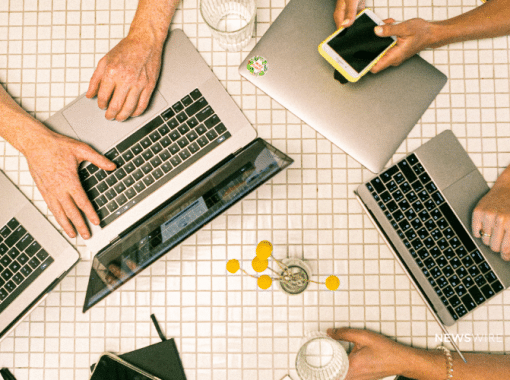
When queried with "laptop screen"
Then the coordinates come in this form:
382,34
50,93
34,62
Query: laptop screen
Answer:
181,216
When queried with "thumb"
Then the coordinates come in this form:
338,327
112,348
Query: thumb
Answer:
389,30
86,153
355,336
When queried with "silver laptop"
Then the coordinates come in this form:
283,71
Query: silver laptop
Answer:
34,257
368,119
189,157
190,116
422,206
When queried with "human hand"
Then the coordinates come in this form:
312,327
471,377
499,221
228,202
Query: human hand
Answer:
126,77
491,217
412,37
53,161
346,10
373,356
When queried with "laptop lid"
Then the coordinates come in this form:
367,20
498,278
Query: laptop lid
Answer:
181,216
368,119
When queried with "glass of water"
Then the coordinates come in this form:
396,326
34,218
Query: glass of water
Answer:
231,21
322,358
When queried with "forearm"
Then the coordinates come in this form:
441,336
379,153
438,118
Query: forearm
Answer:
16,126
489,20
431,365
152,20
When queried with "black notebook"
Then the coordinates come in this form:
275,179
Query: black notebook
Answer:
161,360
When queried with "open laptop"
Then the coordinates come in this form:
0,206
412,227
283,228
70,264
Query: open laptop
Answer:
368,119
192,132
34,257
422,207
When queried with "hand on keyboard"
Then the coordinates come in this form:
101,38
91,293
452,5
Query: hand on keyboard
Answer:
53,161
491,217
126,77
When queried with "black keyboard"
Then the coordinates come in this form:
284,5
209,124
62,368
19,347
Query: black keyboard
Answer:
22,260
153,155
435,237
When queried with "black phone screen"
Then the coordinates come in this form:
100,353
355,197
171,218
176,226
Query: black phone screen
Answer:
358,45
110,369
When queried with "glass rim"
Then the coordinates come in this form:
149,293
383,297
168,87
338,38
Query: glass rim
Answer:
222,31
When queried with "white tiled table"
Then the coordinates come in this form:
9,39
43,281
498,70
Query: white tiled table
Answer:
224,327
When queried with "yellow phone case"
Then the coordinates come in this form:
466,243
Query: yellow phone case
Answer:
339,68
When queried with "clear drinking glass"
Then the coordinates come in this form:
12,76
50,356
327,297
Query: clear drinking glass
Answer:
231,21
322,358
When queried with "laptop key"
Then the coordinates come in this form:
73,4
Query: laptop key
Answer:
148,180
212,121
6,274
138,161
146,142
158,173
442,282
10,286
187,100
184,154
34,262
477,295
13,253
487,291
211,135
130,167
25,242
192,123
111,180
120,174
26,270
497,286
90,183
156,161
448,271
201,129
101,201
167,166
33,248
112,206
110,194
195,107
100,175
174,148
165,141
183,129
16,235
204,113
175,160
448,291
102,187
18,278
165,155
174,123
138,175
195,94
183,142
121,199
3,294
178,107
147,168
474,271
192,136
23,259
130,193
119,188
13,224
461,272
15,266
174,135
193,148
461,311
147,154
221,128
417,186
460,290
181,117
168,114
156,148
139,186
129,181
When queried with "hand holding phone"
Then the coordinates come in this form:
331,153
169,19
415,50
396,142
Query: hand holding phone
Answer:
111,367
354,50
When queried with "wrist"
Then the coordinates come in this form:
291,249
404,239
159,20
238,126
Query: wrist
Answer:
424,364
439,34
29,136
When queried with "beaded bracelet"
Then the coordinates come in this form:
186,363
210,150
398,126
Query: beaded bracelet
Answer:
449,362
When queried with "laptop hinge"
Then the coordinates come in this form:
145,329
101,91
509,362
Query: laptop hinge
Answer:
114,240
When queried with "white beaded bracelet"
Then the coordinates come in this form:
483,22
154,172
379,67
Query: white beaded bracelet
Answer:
449,362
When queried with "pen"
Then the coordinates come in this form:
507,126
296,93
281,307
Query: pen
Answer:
6,374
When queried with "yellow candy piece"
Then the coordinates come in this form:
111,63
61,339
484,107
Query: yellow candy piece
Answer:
264,250
259,265
264,282
233,266
332,283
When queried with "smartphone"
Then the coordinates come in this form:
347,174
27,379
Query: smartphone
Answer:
354,50
111,367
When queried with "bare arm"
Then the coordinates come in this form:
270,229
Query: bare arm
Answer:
53,161
126,77
491,19
375,356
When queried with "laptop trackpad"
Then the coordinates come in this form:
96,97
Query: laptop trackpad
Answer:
89,123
